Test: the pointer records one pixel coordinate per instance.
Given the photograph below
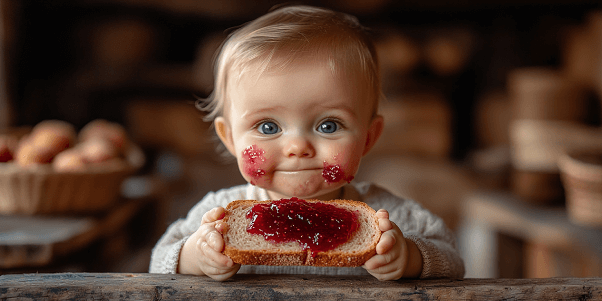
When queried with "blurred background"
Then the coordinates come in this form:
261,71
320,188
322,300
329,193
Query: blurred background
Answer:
492,122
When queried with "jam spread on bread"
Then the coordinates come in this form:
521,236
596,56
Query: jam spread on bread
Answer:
317,226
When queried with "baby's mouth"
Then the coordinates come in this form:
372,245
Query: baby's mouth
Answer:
299,171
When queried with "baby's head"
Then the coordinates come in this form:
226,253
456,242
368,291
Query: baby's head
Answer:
287,35
295,101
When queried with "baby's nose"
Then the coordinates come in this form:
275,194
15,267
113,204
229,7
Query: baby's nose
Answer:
299,147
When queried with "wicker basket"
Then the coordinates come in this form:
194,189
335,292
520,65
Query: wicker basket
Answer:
41,190
581,173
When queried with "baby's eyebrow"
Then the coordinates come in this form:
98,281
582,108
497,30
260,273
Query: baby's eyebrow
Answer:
349,110
260,111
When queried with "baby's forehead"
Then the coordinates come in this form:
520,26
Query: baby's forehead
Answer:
351,79
281,63
349,70
256,74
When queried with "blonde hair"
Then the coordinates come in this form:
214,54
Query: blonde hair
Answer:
287,34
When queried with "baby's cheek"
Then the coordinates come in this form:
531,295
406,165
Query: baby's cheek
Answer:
253,158
341,168
334,173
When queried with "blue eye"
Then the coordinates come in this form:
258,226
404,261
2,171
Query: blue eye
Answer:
268,128
328,127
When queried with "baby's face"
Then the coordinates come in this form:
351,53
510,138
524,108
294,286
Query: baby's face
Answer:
298,133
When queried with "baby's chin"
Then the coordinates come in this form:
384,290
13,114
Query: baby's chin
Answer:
326,191
304,185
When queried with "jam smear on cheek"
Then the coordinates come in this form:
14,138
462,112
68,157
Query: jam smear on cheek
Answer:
253,158
316,226
333,173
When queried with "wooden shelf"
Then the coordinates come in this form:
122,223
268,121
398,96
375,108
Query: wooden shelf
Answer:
36,241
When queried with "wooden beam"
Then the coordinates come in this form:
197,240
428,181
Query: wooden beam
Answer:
84,286
7,20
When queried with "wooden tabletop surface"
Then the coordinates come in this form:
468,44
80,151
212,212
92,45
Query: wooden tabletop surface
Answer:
85,286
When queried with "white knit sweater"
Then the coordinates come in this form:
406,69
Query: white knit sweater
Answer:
435,241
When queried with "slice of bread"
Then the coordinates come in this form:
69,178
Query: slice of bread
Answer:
252,249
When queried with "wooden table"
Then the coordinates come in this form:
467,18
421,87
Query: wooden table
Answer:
84,286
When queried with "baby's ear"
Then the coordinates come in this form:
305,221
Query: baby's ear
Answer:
222,128
375,129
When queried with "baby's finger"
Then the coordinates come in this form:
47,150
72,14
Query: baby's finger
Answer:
393,275
220,226
216,267
386,243
215,241
383,268
374,263
205,229
382,213
384,224
378,261
213,215
223,275
213,270
218,258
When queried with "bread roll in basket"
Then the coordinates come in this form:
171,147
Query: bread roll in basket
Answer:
53,171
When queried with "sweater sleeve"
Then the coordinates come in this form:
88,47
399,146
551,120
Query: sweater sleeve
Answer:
166,253
440,256
436,242
440,260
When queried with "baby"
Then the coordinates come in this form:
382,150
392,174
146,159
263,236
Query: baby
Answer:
296,102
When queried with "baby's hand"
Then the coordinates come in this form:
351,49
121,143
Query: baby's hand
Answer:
392,252
201,254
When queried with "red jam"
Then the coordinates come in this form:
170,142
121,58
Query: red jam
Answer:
334,173
5,156
316,226
253,158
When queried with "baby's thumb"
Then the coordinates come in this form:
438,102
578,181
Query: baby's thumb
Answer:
213,215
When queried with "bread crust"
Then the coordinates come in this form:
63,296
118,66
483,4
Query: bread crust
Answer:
332,258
